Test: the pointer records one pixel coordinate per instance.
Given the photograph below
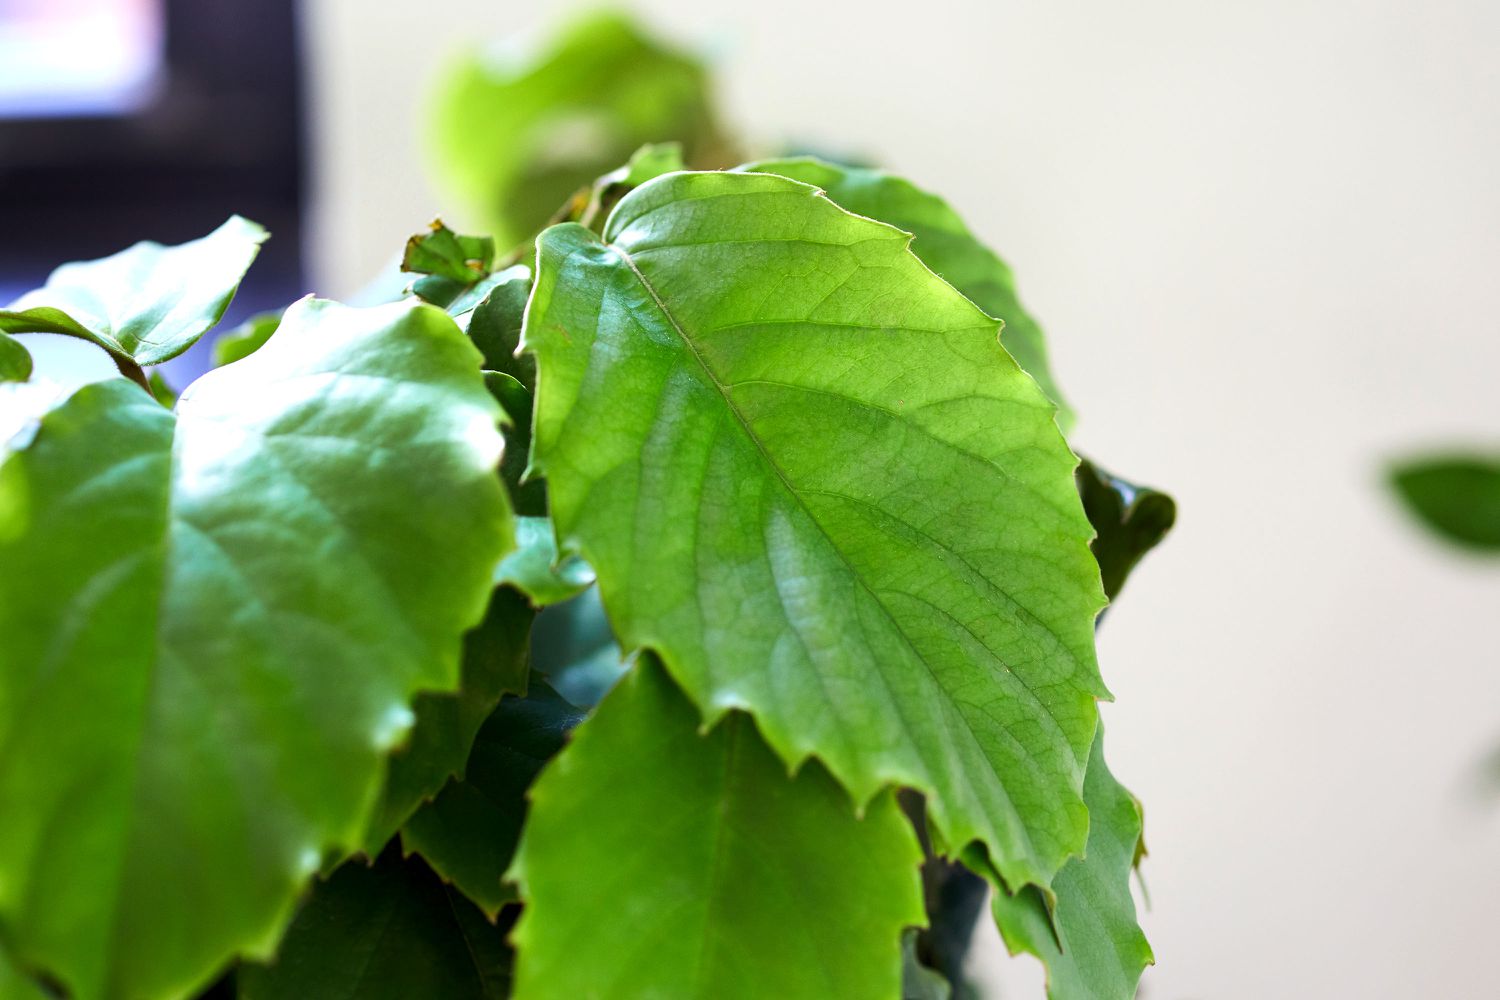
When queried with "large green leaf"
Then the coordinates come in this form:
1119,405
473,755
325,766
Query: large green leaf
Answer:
661,862
494,664
944,243
148,303
1457,496
807,474
214,624
469,832
1130,520
1091,944
516,137
392,931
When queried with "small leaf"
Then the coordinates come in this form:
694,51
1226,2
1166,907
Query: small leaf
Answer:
443,253
516,137
247,338
148,303
264,575
494,664
536,569
388,932
160,390
1091,944
945,244
832,500
528,494
15,359
918,981
469,832
1130,520
717,877
494,324
1456,496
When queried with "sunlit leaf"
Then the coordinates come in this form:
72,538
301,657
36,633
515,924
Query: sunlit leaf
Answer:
247,338
215,621
717,878
148,303
806,473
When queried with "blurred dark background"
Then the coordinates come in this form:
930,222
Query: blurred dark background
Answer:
123,120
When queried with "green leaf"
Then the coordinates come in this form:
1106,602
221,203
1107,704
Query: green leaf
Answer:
1130,520
161,391
527,493
442,252
247,338
15,359
388,932
1091,944
148,303
646,164
494,664
832,500
269,574
494,324
516,137
718,877
469,832
918,981
945,244
536,568
15,984
1456,496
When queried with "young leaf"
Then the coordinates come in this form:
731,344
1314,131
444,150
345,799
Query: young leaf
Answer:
833,500
264,576
943,243
1456,496
15,360
494,664
715,876
393,931
148,303
247,338
1091,945
1130,520
469,832
445,254
536,568
516,138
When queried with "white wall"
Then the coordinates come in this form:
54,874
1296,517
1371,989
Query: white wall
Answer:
1265,241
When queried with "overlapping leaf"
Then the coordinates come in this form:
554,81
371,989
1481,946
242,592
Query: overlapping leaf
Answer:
807,474
944,243
15,360
392,931
214,623
1090,942
1130,520
714,876
148,303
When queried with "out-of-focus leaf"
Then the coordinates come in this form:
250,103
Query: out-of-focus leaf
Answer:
247,338
919,982
15,359
1091,944
517,136
494,664
945,244
1456,496
646,164
160,390
1130,520
575,649
15,984
148,303
535,568
392,931
469,832
718,877
270,574
764,384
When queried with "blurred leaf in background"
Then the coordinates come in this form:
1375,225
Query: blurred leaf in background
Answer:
1456,495
516,137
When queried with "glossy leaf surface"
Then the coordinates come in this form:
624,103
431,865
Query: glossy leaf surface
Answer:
715,877
469,832
944,243
806,473
517,136
1456,496
392,931
148,303
263,576
1091,945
